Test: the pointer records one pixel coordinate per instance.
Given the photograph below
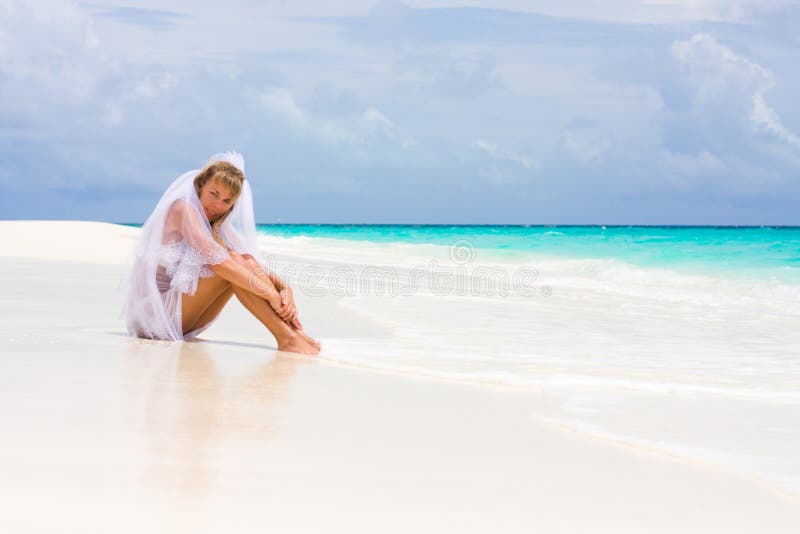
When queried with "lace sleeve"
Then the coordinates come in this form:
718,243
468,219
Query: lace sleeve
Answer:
197,234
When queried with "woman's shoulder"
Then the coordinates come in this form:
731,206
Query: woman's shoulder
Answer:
181,208
179,204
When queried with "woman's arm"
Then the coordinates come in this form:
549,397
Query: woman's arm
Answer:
288,309
218,258
248,279
279,284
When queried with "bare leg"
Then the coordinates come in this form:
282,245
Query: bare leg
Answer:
213,309
249,262
193,307
213,293
288,339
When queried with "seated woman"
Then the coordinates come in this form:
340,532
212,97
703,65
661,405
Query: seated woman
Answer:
196,250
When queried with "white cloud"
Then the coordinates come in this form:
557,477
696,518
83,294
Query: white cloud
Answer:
766,117
149,87
355,130
48,54
715,67
683,170
153,85
281,102
498,153
629,11
372,119
721,77
586,145
374,116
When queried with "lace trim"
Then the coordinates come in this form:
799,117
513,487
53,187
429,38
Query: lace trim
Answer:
186,265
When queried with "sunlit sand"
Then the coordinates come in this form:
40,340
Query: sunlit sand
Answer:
103,432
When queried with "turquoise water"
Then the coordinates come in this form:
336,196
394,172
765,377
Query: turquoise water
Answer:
763,252
768,252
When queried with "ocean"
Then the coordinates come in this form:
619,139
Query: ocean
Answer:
760,251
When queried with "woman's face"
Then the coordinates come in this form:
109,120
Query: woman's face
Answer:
216,199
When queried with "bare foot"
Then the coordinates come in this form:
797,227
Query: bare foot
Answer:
310,339
299,344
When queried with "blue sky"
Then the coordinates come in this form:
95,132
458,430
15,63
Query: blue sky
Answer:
515,112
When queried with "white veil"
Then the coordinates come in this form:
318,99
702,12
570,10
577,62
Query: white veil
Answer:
176,248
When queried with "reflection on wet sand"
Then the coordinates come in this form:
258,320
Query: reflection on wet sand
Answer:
198,402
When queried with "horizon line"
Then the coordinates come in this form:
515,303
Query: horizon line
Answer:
523,225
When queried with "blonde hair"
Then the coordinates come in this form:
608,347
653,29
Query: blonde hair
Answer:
226,174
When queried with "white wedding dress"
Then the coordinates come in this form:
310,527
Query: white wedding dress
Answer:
176,248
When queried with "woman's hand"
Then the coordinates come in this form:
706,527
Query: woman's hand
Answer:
288,310
275,300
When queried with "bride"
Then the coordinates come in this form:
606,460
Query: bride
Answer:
199,248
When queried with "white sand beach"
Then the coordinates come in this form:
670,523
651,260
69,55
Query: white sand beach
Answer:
102,432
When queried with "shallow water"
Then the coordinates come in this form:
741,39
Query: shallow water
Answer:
766,251
697,324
